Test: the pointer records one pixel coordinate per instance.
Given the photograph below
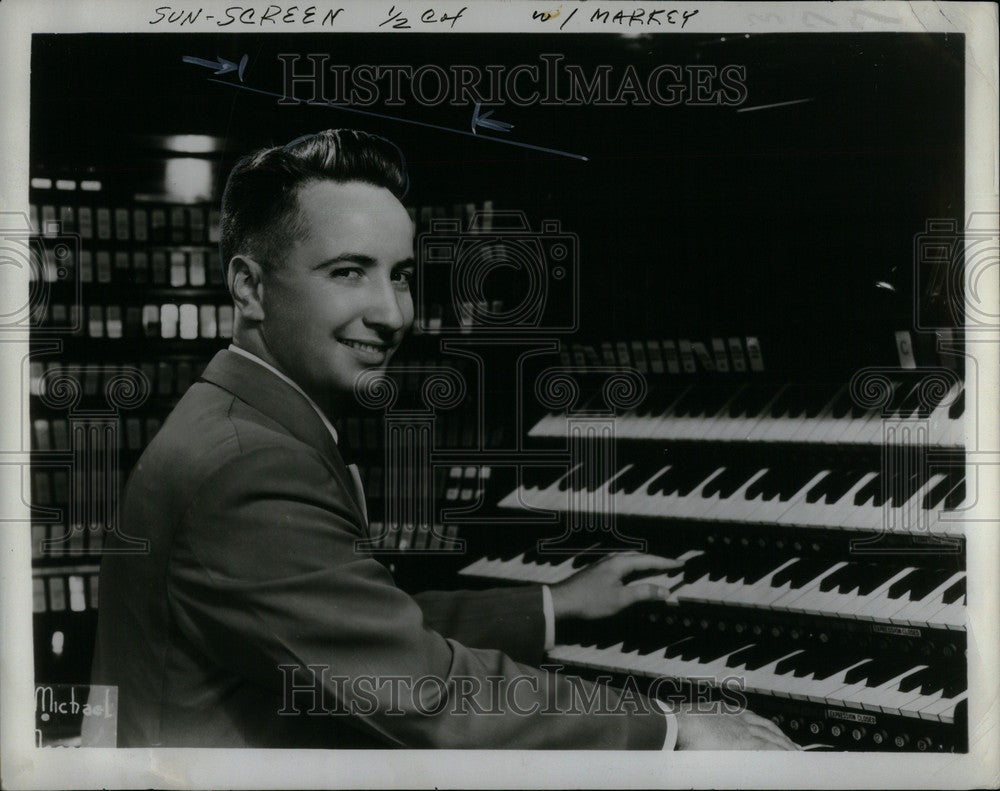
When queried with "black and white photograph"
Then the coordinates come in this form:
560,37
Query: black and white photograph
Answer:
408,394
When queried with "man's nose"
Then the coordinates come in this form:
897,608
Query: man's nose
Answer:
384,312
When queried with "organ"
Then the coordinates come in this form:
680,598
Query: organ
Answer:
821,533
789,408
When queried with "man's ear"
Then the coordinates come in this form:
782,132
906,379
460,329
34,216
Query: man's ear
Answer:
246,284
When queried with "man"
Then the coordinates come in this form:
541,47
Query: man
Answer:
253,620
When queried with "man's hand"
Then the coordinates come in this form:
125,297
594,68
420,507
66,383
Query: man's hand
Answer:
742,731
598,591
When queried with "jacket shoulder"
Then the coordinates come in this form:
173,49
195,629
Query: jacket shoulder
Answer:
208,431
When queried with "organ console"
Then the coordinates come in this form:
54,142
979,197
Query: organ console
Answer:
822,541
820,526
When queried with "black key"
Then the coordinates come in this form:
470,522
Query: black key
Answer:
957,409
955,497
762,570
841,404
767,653
631,479
763,395
805,571
675,649
819,398
860,673
789,665
918,679
741,404
785,574
690,485
901,586
793,479
714,399
852,580
698,567
875,575
899,392
828,663
910,403
907,486
954,684
823,486
743,655
662,479
684,406
685,477
540,477
841,487
782,404
759,486
928,581
938,492
718,645
887,669
955,593
585,559
753,566
833,580
868,493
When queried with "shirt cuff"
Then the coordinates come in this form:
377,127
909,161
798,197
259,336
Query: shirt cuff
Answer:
550,618
670,741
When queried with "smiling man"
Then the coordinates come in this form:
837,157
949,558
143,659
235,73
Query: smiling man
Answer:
253,620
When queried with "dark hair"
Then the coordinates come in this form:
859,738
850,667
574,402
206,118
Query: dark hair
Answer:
259,212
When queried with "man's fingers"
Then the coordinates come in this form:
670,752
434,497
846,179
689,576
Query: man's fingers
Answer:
766,745
644,592
780,741
762,722
771,730
629,562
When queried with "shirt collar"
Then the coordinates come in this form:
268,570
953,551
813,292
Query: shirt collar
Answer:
326,421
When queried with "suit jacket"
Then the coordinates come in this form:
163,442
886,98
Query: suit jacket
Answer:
252,620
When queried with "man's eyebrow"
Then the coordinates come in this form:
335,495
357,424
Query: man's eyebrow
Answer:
348,258
409,263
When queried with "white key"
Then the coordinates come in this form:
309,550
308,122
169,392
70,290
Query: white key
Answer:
724,508
823,689
813,600
942,709
862,604
776,509
875,697
918,612
788,600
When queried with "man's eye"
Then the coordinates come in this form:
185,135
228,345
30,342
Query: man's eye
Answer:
347,274
403,276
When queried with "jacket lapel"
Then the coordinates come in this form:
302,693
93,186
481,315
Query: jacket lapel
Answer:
265,392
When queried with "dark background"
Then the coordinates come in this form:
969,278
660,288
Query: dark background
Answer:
693,220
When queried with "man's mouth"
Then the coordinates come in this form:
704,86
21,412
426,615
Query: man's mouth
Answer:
367,352
364,346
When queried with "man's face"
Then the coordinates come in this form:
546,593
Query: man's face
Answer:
339,302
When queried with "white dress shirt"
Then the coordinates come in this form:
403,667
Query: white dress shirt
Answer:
547,608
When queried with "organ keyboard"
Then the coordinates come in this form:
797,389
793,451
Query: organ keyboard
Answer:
888,593
855,498
821,540
819,414
854,679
